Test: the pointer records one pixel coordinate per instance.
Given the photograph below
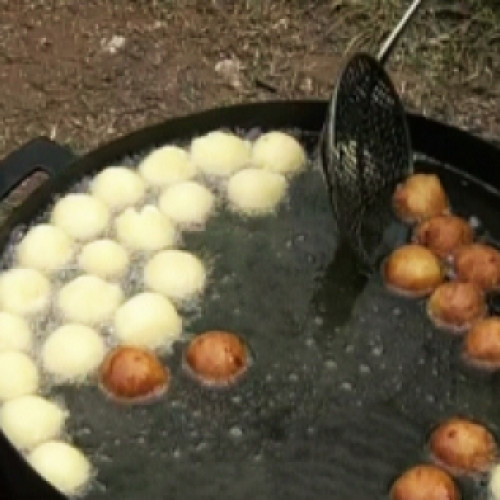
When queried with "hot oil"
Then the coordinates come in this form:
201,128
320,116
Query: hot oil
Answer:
344,373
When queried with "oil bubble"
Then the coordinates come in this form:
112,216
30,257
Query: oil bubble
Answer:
330,364
235,432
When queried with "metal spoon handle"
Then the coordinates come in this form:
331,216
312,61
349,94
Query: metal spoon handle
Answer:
390,42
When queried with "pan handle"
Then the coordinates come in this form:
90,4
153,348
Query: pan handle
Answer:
38,155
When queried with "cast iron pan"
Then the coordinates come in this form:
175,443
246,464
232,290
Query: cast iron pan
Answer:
348,380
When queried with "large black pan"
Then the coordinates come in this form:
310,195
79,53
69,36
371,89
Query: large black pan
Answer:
347,380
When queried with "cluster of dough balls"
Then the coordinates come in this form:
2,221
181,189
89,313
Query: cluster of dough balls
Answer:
125,212
257,172
31,422
459,447
443,244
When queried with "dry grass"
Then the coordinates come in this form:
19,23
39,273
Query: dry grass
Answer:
447,65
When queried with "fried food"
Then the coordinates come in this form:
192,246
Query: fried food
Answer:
456,306
413,270
420,197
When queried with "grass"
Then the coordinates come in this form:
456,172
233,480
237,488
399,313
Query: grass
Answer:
456,42
446,64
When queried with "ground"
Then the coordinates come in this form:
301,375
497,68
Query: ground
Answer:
83,72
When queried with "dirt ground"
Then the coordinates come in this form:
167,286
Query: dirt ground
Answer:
84,72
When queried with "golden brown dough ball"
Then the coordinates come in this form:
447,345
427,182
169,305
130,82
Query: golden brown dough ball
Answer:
217,357
444,234
133,374
463,446
413,270
480,264
420,197
425,482
482,343
456,306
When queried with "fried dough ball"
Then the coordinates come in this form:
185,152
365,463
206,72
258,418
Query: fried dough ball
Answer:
30,420
118,187
463,446
146,229
217,358
46,248
24,291
480,264
187,203
278,152
254,191
72,352
18,375
425,482
82,216
62,465
104,258
456,306
88,300
444,234
148,320
420,197
133,374
482,343
220,153
15,333
167,165
177,274
413,270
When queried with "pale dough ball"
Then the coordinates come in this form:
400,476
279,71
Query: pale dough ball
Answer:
46,248
255,191
220,153
30,420
82,216
72,352
24,291
18,375
167,165
278,152
15,333
494,485
147,320
146,229
187,203
118,187
62,465
175,273
104,258
89,300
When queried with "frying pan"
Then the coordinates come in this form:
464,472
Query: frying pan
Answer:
348,380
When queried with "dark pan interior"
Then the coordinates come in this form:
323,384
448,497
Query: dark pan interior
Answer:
347,379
